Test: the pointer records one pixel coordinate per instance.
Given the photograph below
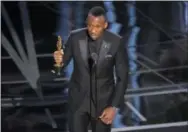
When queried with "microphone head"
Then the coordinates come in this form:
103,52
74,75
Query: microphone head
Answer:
94,56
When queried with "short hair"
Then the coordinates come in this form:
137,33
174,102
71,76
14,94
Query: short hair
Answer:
97,11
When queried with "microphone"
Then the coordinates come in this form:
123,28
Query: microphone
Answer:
94,57
93,61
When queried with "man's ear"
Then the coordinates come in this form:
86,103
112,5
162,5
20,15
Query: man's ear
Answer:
86,21
106,25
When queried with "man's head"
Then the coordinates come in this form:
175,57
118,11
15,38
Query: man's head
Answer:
96,22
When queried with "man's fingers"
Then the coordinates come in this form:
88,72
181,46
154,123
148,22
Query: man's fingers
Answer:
62,52
109,122
103,115
58,53
104,120
58,56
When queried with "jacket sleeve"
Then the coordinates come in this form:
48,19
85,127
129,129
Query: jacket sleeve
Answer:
121,69
68,53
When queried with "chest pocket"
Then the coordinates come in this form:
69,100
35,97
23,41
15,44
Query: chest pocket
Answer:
108,57
108,60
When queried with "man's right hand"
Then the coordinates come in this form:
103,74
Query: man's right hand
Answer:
58,56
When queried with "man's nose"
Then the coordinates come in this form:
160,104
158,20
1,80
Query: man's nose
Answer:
93,31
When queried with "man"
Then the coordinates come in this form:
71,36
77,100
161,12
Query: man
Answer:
95,52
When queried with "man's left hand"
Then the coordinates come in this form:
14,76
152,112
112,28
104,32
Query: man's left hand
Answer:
108,115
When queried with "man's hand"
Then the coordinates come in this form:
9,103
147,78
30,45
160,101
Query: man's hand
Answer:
108,115
58,56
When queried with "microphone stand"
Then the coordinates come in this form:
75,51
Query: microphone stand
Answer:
96,91
93,67
96,94
91,63
95,102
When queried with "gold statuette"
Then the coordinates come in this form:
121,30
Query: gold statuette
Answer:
58,66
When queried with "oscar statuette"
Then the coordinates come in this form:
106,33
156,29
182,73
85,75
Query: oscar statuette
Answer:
58,66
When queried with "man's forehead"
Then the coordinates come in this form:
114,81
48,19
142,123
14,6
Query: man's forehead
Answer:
92,17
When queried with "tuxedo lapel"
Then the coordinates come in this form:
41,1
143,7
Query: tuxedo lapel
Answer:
103,50
105,46
84,50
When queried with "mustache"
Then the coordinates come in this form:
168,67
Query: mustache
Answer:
93,34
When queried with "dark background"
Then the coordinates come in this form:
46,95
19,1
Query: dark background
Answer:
159,22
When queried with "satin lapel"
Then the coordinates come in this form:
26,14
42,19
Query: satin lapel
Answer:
103,51
83,50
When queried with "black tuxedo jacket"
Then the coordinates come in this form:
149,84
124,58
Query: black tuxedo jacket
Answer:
112,54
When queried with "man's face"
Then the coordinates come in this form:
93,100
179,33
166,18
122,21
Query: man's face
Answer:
96,26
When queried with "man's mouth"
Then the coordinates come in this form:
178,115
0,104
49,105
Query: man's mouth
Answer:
93,35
